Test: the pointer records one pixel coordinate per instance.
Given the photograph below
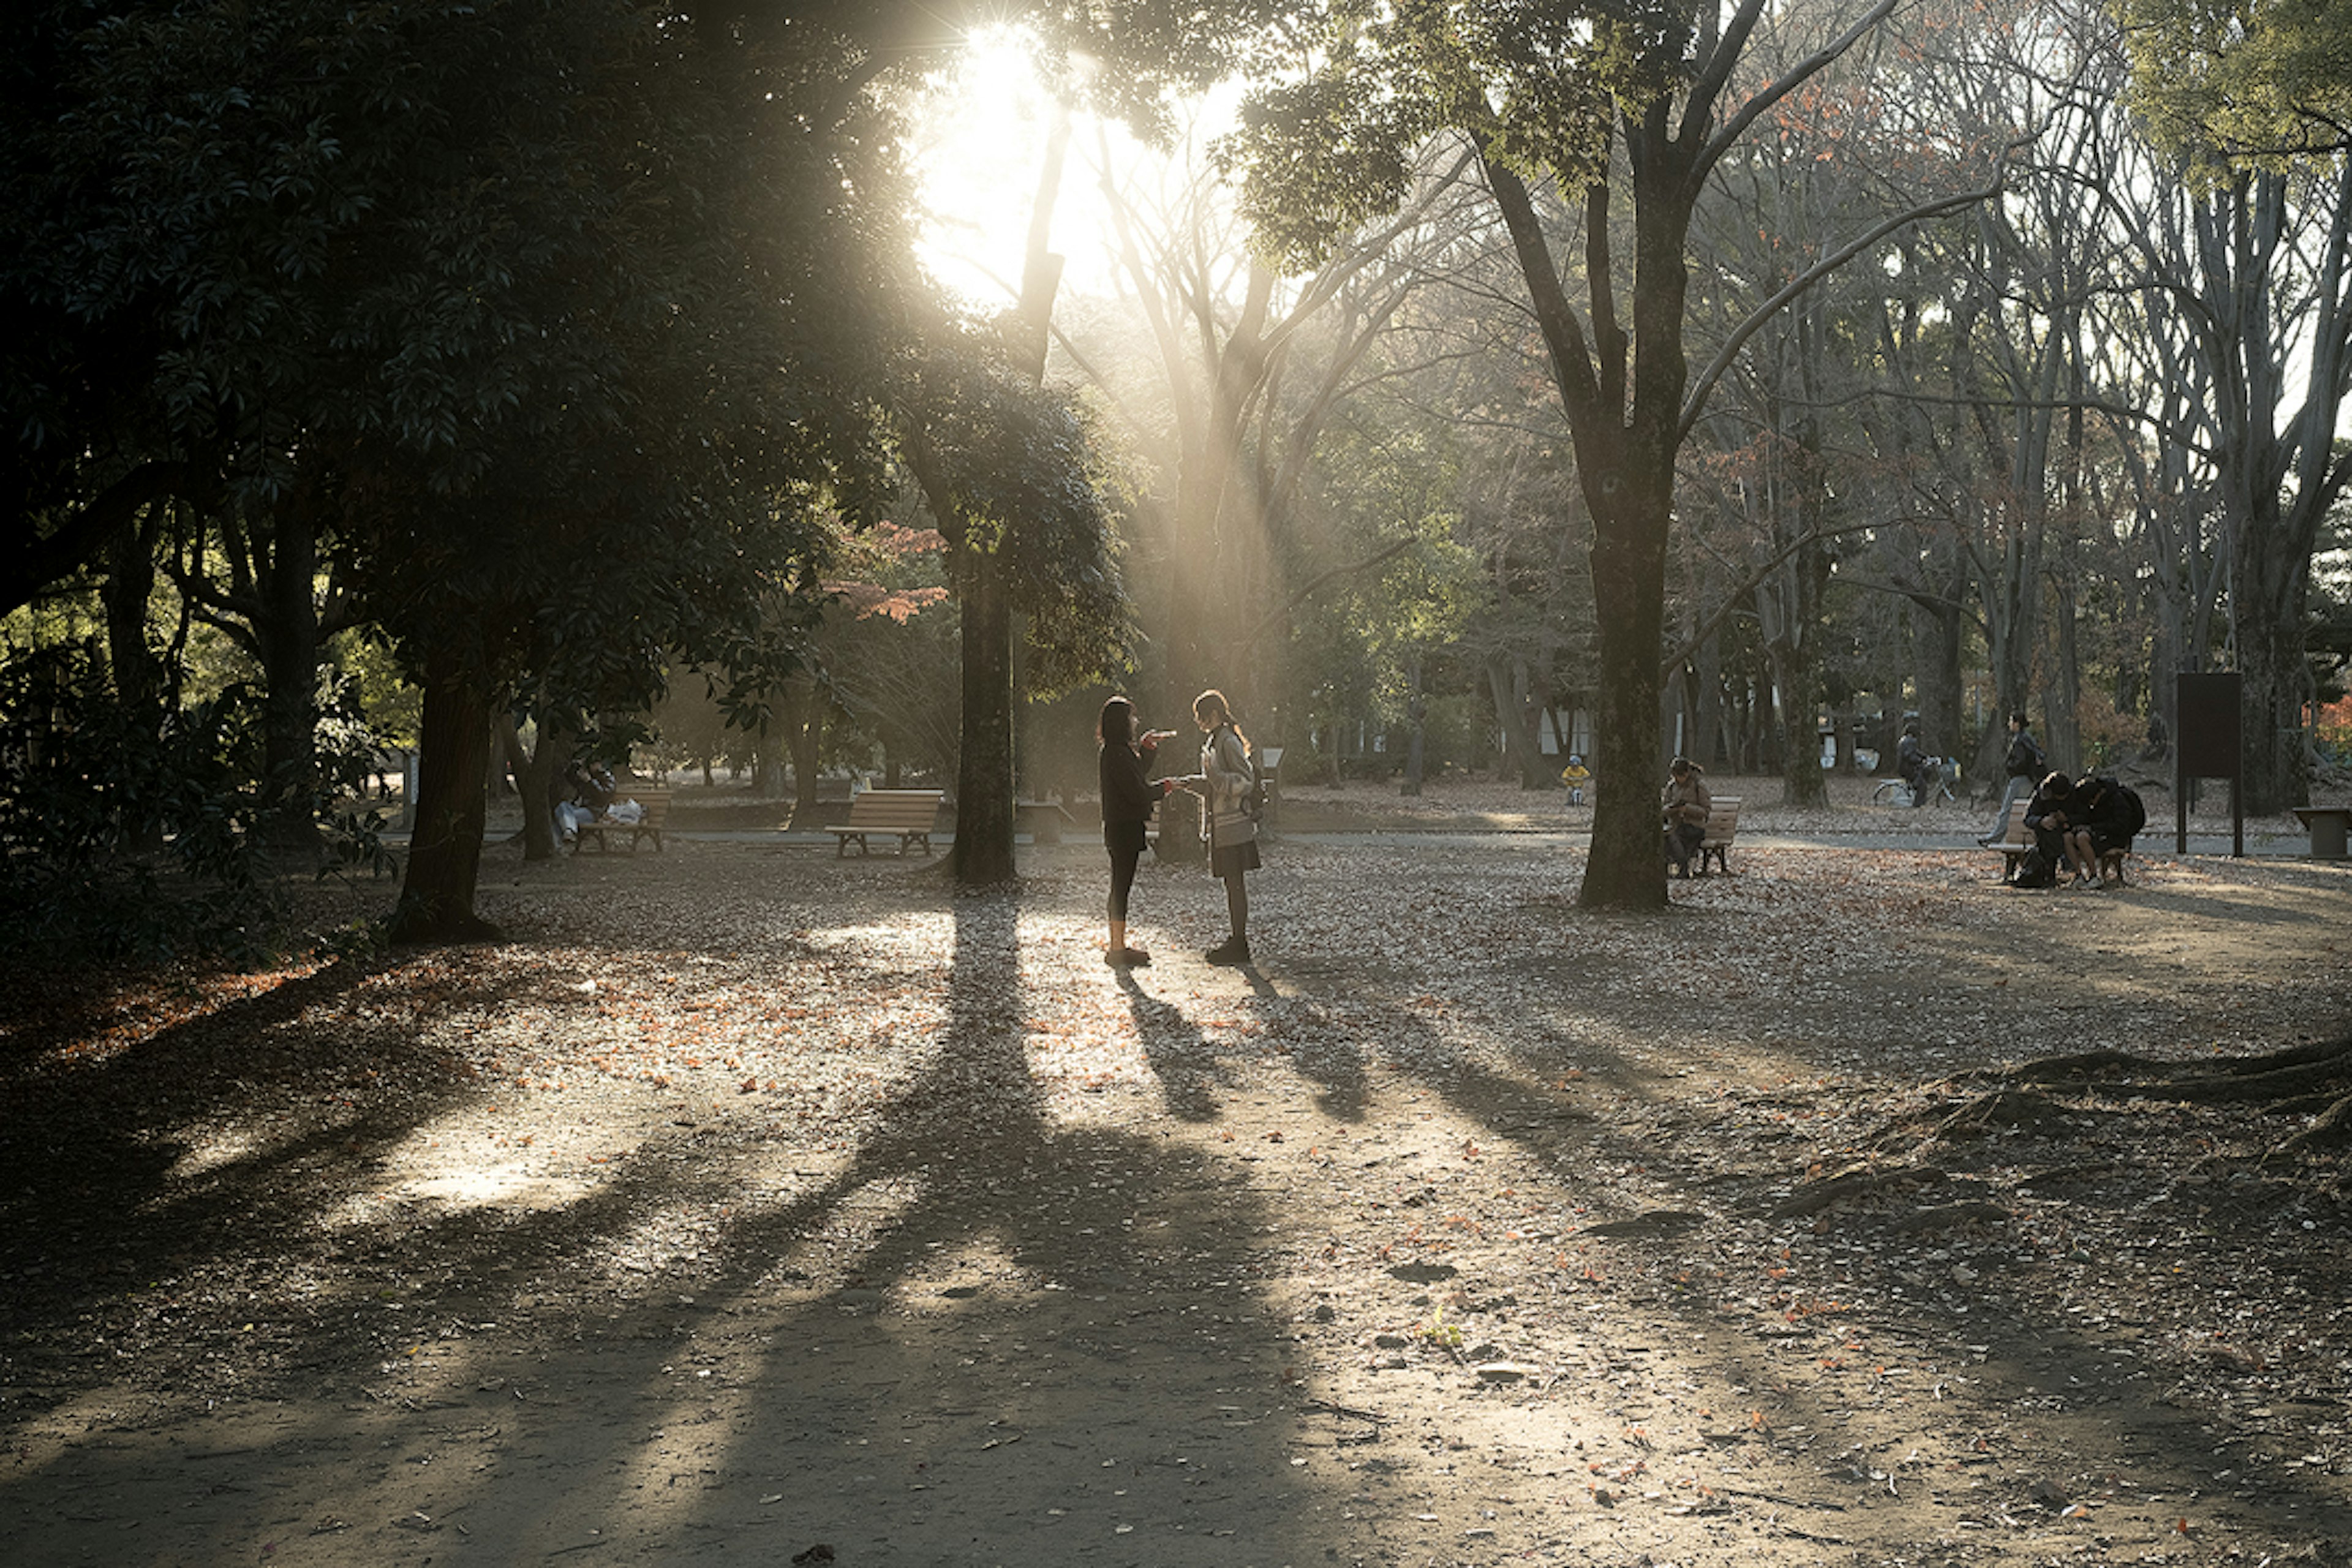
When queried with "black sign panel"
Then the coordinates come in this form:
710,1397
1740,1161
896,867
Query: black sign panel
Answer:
2211,714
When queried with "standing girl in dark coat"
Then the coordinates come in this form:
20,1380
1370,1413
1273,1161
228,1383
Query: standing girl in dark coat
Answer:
1128,798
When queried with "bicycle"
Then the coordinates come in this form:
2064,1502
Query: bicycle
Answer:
1943,771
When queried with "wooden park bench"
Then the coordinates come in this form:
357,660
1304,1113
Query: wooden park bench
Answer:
1722,827
911,814
655,801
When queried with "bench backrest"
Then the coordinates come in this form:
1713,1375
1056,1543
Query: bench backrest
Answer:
655,798
1722,818
2012,826
896,810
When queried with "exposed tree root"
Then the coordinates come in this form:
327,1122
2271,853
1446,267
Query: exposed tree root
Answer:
1944,1216
1860,1182
2297,1081
2085,1064
2331,1129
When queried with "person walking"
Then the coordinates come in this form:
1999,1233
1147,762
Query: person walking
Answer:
2025,766
1225,785
1123,764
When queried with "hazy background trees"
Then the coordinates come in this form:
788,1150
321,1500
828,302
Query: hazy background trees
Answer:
551,359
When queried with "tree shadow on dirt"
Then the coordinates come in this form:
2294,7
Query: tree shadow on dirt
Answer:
91,1164
1037,1335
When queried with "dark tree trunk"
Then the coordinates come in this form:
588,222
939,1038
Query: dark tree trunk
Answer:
125,595
1506,682
288,635
768,758
804,729
1416,711
536,777
139,674
2276,684
1803,780
444,857
1939,681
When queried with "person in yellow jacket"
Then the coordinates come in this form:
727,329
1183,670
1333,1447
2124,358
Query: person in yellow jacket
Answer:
1576,777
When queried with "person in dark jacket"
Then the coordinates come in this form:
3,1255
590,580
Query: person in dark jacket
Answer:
1911,761
2106,816
2024,765
1127,797
2051,818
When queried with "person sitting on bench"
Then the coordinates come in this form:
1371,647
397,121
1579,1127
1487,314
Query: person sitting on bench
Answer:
2050,817
2105,818
1687,806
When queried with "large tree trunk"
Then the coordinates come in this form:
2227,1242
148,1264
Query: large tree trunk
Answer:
1940,718
125,594
1515,717
289,634
768,758
805,730
535,774
444,857
140,677
1803,780
2276,683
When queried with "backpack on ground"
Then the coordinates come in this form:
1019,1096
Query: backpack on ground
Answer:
2034,870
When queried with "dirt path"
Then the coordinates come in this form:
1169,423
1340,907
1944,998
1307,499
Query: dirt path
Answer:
753,1200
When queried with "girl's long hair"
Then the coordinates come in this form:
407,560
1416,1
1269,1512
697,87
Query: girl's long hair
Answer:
1117,725
1215,700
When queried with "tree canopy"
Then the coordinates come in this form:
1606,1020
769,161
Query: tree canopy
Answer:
2259,81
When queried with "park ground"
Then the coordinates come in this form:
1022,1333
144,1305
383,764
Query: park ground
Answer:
755,1206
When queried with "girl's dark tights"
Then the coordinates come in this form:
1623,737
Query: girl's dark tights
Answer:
1122,879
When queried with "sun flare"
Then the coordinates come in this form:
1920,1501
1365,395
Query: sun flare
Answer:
978,141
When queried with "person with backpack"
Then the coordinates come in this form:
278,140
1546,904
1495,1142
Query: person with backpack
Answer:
2025,766
2107,816
1230,794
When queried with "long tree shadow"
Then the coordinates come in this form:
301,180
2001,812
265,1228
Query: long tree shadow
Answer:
93,1192
1023,1333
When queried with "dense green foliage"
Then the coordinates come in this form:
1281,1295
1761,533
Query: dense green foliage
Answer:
125,837
2259,81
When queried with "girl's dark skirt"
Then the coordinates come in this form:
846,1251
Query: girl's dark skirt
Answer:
1232,859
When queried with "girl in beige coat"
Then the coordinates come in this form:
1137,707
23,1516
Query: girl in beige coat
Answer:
1224,784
